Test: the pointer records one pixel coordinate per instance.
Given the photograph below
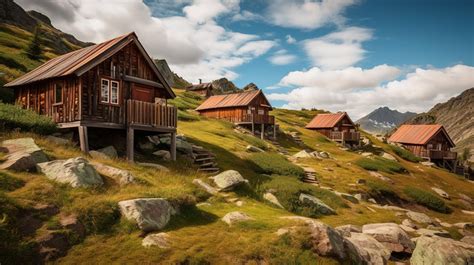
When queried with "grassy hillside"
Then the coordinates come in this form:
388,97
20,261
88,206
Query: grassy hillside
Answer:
197,235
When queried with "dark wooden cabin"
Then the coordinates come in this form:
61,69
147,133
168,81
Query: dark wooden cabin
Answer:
114,85
431,142
204,89
336,126
245,109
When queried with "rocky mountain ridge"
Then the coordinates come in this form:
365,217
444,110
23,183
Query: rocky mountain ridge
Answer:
383,120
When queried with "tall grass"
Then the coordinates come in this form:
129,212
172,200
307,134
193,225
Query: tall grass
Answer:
13,117
427,199
405,154
380,164
275,164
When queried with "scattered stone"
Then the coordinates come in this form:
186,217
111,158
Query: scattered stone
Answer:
323,154
428,164
361,181
146,146
388,156
23,154
447,225
441,192
366,141
155,166
76,172
122,176
468,240
282,231
464,225
407,228
347,196
366,154
346,230
229,179
370,250
409,223
251,148
272,199
438,251
108,152
71,222
160,240
391,208
359,196
372,200
430,232
208,188
239,203
465,197
420,217
302,154
468,212
391,236
163,155
380,176
235,217
320,206
150,214
57,140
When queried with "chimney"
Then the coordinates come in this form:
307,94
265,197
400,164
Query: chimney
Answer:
200,81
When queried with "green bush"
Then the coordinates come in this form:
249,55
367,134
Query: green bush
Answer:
377,189
380,164
275,164
10,183
184,116
405,154
187,100
99,217
427,199
12,117
288,190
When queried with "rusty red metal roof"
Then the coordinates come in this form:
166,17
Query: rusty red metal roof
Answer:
326,120
418,134
231,100
197,87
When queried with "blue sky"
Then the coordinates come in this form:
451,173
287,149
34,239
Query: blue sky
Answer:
351,55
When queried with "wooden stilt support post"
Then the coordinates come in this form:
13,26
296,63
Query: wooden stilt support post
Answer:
274,132
253,126
262,133
173,146
130,142
83,139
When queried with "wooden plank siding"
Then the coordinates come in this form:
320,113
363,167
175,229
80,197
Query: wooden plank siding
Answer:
431,148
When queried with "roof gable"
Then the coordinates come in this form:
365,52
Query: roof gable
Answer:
327,120
418,134
232,100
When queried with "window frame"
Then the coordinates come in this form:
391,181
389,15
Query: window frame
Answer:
101,91
56,92
118,92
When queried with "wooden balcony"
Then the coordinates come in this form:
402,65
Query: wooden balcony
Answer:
146,114
254,118
344,136
439,155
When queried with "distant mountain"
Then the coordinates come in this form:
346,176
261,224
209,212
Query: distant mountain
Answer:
224,86
383,120
250,87
456,115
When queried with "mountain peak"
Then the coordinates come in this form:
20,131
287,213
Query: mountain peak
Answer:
383,120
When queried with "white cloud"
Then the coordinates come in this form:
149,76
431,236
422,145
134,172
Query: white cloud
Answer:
194,44
246,15
418,91
282,57
290,39
307,14
339,49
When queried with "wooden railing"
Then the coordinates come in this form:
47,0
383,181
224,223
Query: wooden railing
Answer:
346,136
151,114
439,154
257,118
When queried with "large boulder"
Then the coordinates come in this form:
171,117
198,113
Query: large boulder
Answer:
150,214
420,217
163,155
316,203
440,251
181,145
325,241
441,192
368,249
208,188
272,199
160,240
346,230
76,172
391,236
228,179
235,217
302,154
122,176
388,156
108,152
23,154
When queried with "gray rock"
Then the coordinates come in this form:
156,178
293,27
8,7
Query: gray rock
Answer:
150,214
251,148
302,154
316,203
468,240
181,145
346,230
325,241
420,217
465,197
440,251
370,250
372,200
122,176
154,166
160,240
76,172
272,199
163,154
428,164
409,223
208,188
229,179
347,196
146,146
430,232
366,154
391,236
388,156
323,154
108,152
464,225
58,140
380,176
235,217
407,228
441,192
23,154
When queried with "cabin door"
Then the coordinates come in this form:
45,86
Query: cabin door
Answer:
143,93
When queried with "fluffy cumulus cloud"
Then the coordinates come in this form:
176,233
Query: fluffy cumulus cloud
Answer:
307,14
338,49
290,39
282,57
365,90
190,39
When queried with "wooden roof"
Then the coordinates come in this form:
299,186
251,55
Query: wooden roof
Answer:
418,134
232,100
80,61
327,120
197,87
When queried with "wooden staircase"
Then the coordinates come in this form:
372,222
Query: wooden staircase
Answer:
205,160
296,138
310,176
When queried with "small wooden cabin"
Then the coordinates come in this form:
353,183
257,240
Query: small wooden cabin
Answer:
245,109
431,142
204,89
336,126
114,85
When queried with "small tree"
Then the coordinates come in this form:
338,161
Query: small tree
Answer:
34,48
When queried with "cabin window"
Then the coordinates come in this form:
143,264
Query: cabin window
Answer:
261,112
104,91
430,146
114,92
58,94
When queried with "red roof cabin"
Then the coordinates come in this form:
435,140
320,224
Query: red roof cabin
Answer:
431,142
203,89
247,109
114,85
336,126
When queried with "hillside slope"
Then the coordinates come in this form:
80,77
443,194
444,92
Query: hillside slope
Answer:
383,120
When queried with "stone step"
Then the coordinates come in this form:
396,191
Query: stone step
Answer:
209,164
204,159
209,169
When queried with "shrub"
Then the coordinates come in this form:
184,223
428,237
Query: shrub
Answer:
99,217
12,63
380,164
405,154
427,199
184,116
275,164
12,117
10,183
377,189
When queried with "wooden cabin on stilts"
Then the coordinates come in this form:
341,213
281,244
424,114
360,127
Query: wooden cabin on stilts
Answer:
337,127
112,85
